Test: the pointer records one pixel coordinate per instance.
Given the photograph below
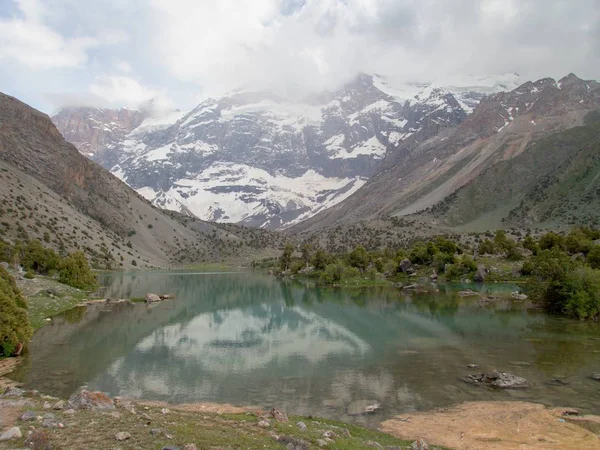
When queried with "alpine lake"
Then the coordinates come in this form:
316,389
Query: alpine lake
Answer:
252,340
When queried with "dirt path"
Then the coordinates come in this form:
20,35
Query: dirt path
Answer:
498,426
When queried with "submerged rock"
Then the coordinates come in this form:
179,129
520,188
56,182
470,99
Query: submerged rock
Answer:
500,380
362,407
596,376
467,293
91,400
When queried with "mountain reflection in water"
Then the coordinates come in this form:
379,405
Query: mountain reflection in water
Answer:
250,339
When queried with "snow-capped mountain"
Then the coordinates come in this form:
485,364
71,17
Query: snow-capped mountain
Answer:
259,159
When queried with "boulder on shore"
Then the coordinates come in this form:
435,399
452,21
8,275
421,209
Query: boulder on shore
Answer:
91,400
406,266
496,379
518,296
480,274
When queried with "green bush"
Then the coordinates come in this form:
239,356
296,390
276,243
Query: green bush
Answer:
359,258
296,266
593,257
75,271
552,240
581,292
38,259
14,322
487,247
321,259
333,273
351,272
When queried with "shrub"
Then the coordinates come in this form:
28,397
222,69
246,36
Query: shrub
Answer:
359,258
351,272
333,273
551,240
581,292
75,271
593,257
286,257
321,259
38,259
296,266
487,247
14,323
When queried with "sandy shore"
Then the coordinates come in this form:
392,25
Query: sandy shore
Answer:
499,426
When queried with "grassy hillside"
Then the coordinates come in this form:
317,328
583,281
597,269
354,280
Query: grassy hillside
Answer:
554,182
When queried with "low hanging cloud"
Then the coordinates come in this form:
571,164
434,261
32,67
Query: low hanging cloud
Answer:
122,52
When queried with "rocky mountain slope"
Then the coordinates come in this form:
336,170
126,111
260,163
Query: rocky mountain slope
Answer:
52,192
555,181
261,160
501,127
92,130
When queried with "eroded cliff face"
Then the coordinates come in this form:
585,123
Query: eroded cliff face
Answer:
92,130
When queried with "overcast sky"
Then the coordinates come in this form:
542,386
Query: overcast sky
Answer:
126,52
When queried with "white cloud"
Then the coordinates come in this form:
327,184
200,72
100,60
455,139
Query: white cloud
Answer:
195,48
30,42
123,66
120,90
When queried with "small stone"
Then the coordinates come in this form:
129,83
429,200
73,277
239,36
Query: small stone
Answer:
48,319
190,447
61,425
47,405
156,431
49,423
279,416
322,442
69,412
59,405
472,366
596,376
165,411
28,416
145,417
301,425
420,444
114,414
329,434
13,392
12,433
122,436
264,423
360,407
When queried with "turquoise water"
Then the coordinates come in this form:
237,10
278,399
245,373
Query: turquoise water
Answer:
252,340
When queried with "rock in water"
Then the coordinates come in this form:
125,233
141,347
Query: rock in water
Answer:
152,298
500,380
518,296
361,407
122,436
467,293
91,400
596,376
12,433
